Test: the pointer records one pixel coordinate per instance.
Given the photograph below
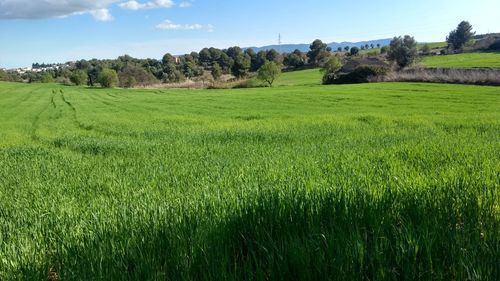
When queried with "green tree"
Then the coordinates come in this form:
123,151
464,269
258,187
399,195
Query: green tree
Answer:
79,77
318,53
269,72
216,71
47,78
354,51
459,37
347,48
331,68
295,60
108,78
339,49
384,50
426,49
403,51
241,65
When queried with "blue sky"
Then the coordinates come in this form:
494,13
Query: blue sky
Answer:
64,30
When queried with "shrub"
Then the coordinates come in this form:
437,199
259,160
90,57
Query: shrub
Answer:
79,77
426,49
47,78
131,76
108,78
362,74
248,83
495,46
330,69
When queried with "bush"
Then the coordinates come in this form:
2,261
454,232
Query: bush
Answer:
47,78
362,74
64,81
108,78
331,68
495,46
248,83
130,76
79,77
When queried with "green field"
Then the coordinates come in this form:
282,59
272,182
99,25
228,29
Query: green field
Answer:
360,182
466,60
434,45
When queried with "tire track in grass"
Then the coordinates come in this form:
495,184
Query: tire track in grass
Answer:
74,113
35,124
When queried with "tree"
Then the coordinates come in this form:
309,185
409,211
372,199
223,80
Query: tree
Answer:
47,78
384,50
332,66
459,37
79,77
258,60
426,49
241,65
339,49
354,51
295,60
331,69
205,58
403,51
108,78
274,56
269,72
318,53
347,48
216,71
132,75
372,46
378,45
168,59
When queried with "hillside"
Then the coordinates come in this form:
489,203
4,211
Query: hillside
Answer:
465,60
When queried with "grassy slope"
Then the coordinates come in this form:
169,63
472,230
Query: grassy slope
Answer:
376,181
466,60
433,45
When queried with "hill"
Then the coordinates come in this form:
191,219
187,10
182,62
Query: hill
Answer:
288,48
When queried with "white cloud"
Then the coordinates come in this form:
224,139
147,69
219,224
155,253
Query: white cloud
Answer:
41,9
102,15
135,5
30,9
169,25
185,4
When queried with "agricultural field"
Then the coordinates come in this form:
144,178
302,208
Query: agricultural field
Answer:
465,60
382,181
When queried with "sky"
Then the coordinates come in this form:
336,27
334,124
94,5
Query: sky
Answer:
53,31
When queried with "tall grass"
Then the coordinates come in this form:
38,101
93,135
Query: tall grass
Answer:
361,182
443,75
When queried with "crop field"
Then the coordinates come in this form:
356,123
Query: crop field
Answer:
387,181
466,60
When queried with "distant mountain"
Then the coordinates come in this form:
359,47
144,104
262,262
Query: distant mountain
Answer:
288,48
